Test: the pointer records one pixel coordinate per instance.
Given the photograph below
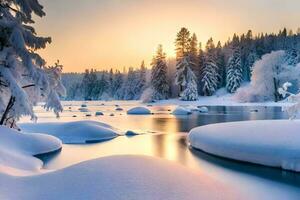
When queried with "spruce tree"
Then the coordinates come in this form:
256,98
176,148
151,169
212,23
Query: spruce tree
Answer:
209,73
159,82
234,67
220,61
190,92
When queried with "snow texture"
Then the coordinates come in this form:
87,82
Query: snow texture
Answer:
139,111
73,132
274,143
17,150
203,109
180,110
118,177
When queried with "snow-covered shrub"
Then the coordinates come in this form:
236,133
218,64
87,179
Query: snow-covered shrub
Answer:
268,74
293,110
148,95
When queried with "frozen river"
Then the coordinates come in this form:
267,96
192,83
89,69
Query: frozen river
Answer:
164,135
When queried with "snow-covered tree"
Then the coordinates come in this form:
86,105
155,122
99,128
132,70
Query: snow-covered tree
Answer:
220,62
269,73
190,92
193,54
234,68
251,59
56,88
182,43
294,109
209,73
24,79
159,81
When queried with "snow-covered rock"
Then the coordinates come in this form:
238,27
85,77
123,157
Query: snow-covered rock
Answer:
131,133
119,109
139,111
17,149
83,110
203,109
73,132
274,143
118,177
98,113
180,110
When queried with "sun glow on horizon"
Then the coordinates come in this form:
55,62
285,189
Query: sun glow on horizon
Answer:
116,34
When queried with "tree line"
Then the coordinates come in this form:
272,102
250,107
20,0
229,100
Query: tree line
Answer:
196,70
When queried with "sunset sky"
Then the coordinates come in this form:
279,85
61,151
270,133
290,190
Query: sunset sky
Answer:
115,33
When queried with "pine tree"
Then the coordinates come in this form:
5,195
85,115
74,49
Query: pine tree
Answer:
159,82
24,79
193,53
182,43
220,62
118,82
141,85
190,92
292,54
183,47
111,86
209,74
234,68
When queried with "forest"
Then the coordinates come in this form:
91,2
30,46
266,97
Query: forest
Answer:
197,70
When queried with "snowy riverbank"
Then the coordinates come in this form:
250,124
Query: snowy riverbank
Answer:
274,143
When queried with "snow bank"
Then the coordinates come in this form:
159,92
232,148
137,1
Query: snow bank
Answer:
180,110
139,111
118,177
73,132
17,149
274,143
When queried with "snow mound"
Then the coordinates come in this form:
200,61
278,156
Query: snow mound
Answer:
274,143
193,108
203,109
98,113
17,149
139,111
73,132
180,110
118,177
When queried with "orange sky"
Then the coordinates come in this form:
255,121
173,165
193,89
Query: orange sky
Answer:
115,33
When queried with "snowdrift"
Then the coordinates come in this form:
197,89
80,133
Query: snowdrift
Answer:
180,110
274,143
118,177
139,111
17,149
73,132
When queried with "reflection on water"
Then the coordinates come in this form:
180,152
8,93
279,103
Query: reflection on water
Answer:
166,138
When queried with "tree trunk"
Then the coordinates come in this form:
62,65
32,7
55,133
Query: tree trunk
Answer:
7,109
276,95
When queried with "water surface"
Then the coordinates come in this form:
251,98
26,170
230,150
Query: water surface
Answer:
164,136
